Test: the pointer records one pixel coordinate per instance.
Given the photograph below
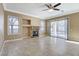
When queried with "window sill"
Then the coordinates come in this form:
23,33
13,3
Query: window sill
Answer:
15,34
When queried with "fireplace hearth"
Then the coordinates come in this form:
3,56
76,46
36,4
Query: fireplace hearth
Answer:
35,31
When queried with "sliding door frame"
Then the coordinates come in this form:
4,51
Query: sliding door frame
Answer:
68,25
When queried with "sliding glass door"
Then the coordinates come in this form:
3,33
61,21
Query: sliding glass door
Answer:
59,29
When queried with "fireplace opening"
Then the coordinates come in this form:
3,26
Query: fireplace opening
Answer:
35,33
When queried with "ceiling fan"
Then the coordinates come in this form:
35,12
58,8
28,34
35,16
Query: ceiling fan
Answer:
51,8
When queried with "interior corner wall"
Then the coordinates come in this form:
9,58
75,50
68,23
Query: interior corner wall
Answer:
1,27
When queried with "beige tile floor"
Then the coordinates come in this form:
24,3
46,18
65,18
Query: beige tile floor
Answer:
44,46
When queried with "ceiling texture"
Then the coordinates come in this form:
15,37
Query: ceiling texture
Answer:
36,9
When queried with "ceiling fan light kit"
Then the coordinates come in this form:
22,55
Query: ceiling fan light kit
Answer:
50,10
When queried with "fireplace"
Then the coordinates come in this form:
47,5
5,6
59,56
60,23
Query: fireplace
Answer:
35,31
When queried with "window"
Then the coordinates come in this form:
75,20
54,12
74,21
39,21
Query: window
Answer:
13,25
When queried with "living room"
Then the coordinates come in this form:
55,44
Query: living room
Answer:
39,29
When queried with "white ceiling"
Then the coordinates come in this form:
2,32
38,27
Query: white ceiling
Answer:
35,9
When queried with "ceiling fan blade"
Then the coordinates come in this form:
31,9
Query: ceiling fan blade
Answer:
45,9
57,4
47,5
56,9
50,5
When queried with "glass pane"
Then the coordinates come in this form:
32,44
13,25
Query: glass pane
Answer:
9,27
16,23
61,28
10,30
10,21
13,20
15,29
53,29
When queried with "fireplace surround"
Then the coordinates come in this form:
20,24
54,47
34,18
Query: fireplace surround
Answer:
35,31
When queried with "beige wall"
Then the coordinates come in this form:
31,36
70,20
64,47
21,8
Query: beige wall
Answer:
73,24
1,26
34,22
